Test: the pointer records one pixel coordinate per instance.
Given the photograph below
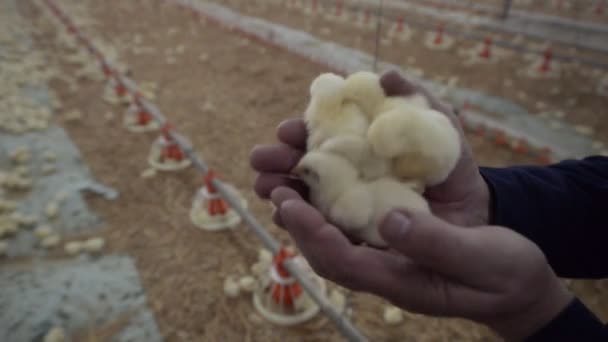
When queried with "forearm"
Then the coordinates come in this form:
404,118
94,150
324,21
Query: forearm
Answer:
561,208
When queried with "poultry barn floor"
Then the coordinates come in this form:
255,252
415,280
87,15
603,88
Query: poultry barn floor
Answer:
226,94
570,100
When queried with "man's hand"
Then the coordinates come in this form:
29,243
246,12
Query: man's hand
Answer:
488,274
436,265
463,199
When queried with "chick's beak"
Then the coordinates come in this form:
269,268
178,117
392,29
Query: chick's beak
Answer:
297,170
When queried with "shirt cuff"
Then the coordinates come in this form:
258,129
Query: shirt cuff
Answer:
574,323
505,191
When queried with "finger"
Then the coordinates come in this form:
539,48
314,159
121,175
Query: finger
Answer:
276,218
265,183
277,197
371,270
429,241
276,158
332,255
293,133
282,194
396,85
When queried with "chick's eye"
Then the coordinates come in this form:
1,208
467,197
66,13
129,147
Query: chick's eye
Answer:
306,171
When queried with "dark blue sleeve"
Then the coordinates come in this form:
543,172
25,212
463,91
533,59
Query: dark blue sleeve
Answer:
575,323
563,208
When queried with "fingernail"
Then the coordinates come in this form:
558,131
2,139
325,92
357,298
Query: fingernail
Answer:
396,225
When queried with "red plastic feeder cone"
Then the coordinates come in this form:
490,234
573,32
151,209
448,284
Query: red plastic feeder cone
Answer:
107,71
195,14
138,119
521,146
314,5
171,150
217,205
338,12
143,117
285,290
367,17
546,64
439,35
481,130
210,211
599,9
544,156
166,154
487,48
280,299
120,89
400,24
501,138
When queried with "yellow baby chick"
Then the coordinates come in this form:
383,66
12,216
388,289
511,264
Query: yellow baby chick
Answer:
358,151
422,143
364,89
328,114
354,205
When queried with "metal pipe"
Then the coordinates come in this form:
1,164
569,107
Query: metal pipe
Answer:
342,323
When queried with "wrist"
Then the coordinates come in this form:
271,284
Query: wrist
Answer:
486,201
539,313
481,210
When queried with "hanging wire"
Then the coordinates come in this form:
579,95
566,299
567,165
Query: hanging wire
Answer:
379,20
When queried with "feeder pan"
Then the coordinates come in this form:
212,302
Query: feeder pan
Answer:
543,69
401,31
544,66
166,155
281,300
211,213
137,120
112,97
438,40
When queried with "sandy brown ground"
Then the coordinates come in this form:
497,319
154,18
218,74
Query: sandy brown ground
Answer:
576,96
251,88
584,10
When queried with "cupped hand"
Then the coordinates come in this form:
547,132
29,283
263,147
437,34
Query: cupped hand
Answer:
463,199
488,274
435,265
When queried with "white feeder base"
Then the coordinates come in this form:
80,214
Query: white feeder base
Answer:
405,35
472,55
113,99
168,165
203,220
305,307
131,124
534,72
446,41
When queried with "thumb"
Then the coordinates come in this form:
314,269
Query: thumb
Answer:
431,242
